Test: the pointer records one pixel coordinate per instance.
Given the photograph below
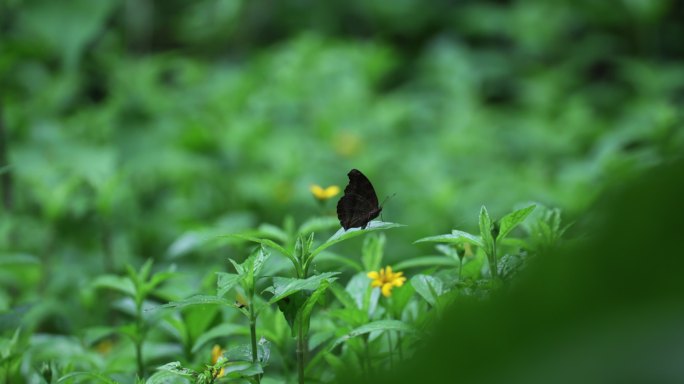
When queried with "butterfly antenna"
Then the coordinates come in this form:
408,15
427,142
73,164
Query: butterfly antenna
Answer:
383,204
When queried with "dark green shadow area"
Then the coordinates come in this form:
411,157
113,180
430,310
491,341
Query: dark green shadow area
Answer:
610,310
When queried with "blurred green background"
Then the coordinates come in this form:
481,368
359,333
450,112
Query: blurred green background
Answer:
126,125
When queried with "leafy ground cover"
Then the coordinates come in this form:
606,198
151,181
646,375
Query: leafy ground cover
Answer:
170,170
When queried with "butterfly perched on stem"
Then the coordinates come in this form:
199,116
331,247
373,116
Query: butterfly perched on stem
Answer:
359,204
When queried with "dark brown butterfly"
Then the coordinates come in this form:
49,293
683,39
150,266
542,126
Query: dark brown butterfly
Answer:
359,205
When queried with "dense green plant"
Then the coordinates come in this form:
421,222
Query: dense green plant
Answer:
144,130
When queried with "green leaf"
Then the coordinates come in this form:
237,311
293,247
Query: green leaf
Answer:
177,369
511,220
159,278
221,330
486,230
116,283
238,369
270,230
304,314
355,317
426,261
380,325
343,296
371,252
266,242
226,282
430,288
360,290
302,247
343,235
455,237
318,224
93,377
145,270
196,300
163,377
342,261
260,258
283,287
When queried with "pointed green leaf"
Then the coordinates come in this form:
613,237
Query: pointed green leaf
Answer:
455,237
304,314
283,287
514,218
426,261
342,261
177,369
266,242
195,300
239,369
221,330
380,325
372,250
342,235
430,288
116,283
486,230
226,282
93,377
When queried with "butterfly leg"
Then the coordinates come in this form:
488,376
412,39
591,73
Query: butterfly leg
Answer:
367,222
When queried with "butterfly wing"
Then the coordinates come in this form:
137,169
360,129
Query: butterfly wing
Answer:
359,205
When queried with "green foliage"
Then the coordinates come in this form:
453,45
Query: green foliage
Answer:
155,159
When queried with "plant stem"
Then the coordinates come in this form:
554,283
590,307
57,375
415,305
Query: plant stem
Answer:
368,357
401,353
252,333
5,177
460,268
493,269
391,352
139,340
300,353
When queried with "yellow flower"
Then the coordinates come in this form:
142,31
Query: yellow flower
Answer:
347,144
216,353
386,280
104,346
323,194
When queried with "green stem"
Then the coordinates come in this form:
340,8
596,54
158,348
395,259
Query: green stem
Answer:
368,356
460,268
391,351
252,333
401,353
139,340
493,270
300,353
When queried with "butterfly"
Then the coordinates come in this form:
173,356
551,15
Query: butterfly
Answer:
359,205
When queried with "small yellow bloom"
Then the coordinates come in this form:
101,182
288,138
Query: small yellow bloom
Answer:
323,194
104,347
347,144
386,280
216,353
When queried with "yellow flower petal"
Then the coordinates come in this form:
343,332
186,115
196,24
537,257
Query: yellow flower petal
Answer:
386,280
331,191
387,290
216,352
316,190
